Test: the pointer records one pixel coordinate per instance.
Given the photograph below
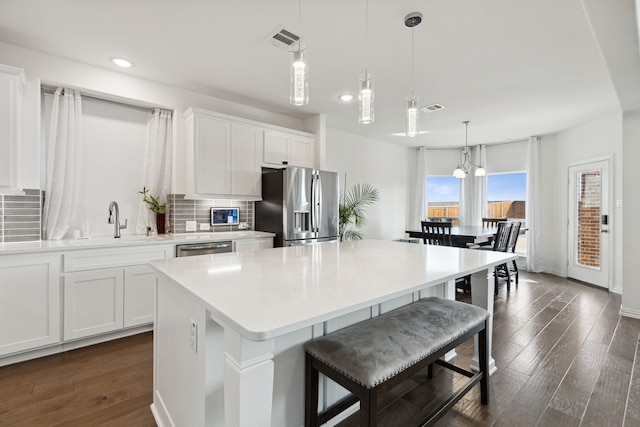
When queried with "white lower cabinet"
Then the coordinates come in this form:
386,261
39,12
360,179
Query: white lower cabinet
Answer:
109,289
93,302
29,302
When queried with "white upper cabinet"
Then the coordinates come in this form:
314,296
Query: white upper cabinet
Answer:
224,155
12,81
289,148
212,146
246,157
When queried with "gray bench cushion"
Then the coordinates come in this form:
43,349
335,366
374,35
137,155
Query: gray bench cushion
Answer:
377,349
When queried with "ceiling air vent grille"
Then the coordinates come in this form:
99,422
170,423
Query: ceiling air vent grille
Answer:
431,108
282,38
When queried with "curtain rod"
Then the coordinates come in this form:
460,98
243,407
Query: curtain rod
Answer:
49,89
491,144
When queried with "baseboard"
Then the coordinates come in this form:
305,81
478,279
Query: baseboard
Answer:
625,312
71,345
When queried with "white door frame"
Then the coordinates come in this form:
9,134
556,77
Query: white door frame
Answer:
610,226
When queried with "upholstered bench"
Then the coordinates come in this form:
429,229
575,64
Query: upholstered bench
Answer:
377,354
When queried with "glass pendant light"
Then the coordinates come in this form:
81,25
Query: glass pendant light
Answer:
411,21
299,94
412,117
365,95
365,100
299,84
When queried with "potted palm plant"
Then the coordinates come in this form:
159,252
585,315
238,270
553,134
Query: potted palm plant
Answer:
351,210
154,206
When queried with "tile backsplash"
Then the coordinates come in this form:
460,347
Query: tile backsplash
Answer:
181,210
21,217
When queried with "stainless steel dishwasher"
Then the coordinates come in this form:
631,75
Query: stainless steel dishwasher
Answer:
192,249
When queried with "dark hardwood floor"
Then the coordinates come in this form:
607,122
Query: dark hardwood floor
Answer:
108,384
564,355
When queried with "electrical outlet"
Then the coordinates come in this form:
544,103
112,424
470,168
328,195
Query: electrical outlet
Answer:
191,225
204,227
193,335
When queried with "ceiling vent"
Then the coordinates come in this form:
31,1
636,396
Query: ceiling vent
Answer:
282,38
431,108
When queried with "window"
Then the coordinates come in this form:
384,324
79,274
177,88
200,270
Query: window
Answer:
506,197
443,193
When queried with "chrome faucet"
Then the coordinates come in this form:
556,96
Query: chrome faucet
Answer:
117,226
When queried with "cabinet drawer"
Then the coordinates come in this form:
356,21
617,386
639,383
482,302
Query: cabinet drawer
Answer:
105,258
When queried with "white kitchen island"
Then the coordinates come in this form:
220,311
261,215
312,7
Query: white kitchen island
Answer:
230,327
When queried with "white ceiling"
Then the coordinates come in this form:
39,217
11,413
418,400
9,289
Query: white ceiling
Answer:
514,68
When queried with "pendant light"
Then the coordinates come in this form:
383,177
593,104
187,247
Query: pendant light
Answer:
299,84
463,169
365,95
412,20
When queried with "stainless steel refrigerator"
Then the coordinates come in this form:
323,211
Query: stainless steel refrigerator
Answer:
299,205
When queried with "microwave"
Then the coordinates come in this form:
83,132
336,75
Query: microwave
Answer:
225,216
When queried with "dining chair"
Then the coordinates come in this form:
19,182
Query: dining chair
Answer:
439,233
504,270
492,222
436,233
500,244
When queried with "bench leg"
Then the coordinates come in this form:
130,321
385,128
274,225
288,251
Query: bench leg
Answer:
311,390
369,408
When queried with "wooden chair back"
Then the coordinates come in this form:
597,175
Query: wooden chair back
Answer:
492,222
501,239
513,236
436,233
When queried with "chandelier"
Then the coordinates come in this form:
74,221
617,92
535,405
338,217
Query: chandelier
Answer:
465,167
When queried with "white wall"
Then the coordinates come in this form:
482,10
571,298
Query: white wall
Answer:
380,164
631,178
599,137
44,68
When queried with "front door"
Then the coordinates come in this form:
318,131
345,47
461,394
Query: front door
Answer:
589,220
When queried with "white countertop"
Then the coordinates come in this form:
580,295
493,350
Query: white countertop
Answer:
125,241
267,293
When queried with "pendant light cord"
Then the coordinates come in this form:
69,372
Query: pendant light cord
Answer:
366,39
412,58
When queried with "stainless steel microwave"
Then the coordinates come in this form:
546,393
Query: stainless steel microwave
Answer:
225,216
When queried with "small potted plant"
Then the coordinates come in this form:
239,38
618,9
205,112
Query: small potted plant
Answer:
154,206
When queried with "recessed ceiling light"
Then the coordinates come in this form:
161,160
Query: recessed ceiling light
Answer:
122,62
346,97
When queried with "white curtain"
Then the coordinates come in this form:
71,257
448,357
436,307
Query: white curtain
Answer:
157,165
473,192
64,182
534,256
420,209
481,207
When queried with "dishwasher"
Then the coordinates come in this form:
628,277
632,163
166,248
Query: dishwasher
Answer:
193,249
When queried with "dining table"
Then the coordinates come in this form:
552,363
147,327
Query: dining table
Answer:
463,235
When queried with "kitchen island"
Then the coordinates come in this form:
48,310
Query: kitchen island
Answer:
230,327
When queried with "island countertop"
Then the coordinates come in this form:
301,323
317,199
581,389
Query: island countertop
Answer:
268,293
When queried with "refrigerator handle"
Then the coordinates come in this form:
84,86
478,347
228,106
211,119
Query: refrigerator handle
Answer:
318,203
313,211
